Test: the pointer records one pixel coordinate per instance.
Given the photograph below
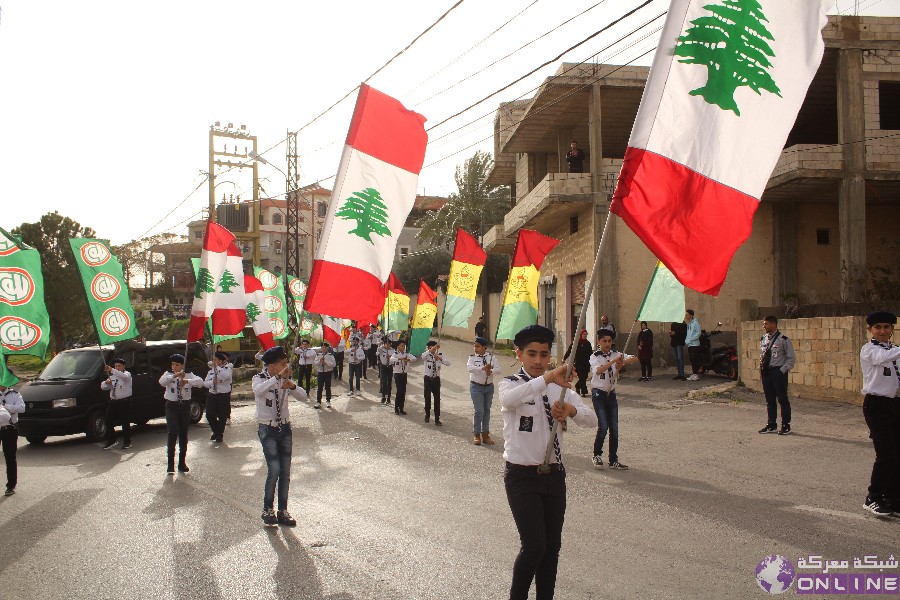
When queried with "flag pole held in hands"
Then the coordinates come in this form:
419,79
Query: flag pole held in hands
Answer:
595,273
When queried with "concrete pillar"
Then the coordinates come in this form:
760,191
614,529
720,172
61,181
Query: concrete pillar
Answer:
784,251
606,296
852,200
562,147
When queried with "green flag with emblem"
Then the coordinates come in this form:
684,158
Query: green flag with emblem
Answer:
24,321
276,307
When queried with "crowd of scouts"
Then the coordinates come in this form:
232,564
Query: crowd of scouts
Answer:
536,496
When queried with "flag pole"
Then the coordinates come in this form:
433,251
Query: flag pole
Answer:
595,273
637,316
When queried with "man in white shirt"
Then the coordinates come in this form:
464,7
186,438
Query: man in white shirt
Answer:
11,406
530,401
433,360
272,388
355,358
400,360
218,399
177,385
879,360
324,370
605,365
118,383
482,367
385,371
306,356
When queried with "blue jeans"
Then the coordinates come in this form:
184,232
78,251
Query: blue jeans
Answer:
482,396
678,351
277,444
607,408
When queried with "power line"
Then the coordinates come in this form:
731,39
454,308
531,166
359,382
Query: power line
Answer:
179,205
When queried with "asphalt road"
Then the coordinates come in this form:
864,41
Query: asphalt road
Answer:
391,507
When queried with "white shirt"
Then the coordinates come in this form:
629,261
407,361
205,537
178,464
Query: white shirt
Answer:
605,381
384,355
433,363
172,385
13,402
526,430
475,366
325,362
307,357
356,355
118,384
218,379
401,361
879,364
376,338
270,397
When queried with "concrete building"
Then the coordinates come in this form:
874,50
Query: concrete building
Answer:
830,205
408,242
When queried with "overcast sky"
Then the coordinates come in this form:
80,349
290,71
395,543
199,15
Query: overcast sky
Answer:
106,105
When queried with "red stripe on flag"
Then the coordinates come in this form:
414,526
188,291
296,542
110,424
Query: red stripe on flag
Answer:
266,340
228,321
467,249
532,248
426,294
217,238
693,224
345,292
233,250
385,129
195,328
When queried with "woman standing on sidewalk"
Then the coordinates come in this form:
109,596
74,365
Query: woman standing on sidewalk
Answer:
645,351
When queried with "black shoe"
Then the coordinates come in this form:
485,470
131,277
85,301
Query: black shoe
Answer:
769,429
219,438
212,438
126,445
877,508
285,518
171,468
383,400
437,422
269,517
402,412
183,468
618,465
396,411
427,418
677,377
109,446
785,429
9,491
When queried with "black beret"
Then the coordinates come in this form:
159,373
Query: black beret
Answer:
273,354
881,316
533,333
304,341
431,343
481,340
221,356
177,358
119,361
601,333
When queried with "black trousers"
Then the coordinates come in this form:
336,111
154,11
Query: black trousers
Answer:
354,372
118,411
372,355
364,364
883,418
218,409
339,365
775,388
694,357
433,388
581,384
646,367
305,371
178,417
387,373
9,437
323,380
400,401
538,505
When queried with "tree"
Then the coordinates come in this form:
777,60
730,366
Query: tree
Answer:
227,282
252,312
369,211
205,283
426,265
732,45
64,292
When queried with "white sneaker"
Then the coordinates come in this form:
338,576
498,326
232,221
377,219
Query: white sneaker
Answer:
318,405
598,461
694,377
328,404
350,393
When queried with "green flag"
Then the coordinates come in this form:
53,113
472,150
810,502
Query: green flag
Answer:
24,322
107,292
664,300
7,379
217,339
298,294
275,306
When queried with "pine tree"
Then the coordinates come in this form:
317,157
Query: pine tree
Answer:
205,283
369,211
252,312
732,45
227,282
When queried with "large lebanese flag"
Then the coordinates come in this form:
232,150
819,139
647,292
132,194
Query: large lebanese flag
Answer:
331,330
220,286
374,192
726,84
255,301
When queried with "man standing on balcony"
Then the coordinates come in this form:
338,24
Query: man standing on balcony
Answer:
575,158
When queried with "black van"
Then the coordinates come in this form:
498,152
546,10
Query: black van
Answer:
66,397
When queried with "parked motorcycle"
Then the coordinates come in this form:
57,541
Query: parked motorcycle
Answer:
722,360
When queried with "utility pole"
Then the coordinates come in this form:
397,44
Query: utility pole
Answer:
292,241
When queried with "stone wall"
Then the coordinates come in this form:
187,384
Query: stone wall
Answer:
827,351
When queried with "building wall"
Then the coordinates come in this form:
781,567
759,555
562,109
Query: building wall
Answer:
882,153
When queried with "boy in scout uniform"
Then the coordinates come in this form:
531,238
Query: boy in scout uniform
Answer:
482,367
385,371
605,366
433,360
306,356
355,358
400,360
178,384
118,382
324,369
218,399
11,406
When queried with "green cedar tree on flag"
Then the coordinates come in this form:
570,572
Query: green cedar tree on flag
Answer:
727,82
423,319
664,300
217,339
24,321
374,193
106,290
275,305
462,285
254,298
520,303
224,302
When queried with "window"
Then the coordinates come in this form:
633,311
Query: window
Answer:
573,224
198,235
403,252
277,246
262,218
323,210
276,219
823,237
889,104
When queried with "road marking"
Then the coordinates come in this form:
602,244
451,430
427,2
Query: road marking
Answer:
832,513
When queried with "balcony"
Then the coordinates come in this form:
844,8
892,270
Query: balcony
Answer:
806,171
496,242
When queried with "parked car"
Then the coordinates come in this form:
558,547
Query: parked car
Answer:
66,397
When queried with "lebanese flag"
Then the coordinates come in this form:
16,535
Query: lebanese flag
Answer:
331,330
255,301
374,192
726,84
219,292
